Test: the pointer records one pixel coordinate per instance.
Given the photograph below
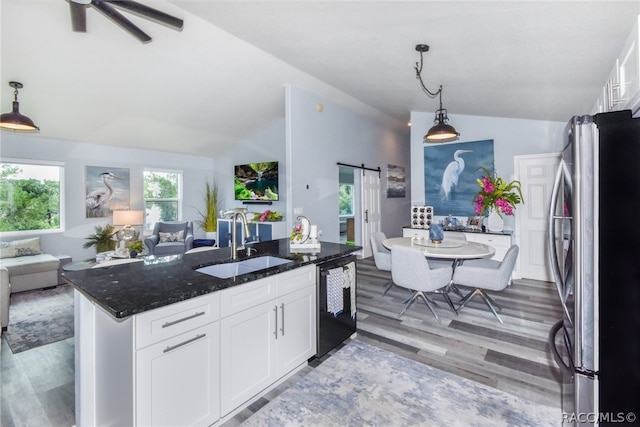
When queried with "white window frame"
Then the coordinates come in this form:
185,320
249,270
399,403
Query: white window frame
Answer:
61,174
180,198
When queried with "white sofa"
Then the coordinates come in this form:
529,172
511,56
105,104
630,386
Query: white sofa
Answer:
24,267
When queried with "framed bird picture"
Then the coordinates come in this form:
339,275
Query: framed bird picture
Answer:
450,174
106,190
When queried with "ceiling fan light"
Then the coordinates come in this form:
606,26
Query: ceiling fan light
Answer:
14,120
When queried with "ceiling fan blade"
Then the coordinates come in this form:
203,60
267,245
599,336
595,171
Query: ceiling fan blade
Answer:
148,13
116,17
78,16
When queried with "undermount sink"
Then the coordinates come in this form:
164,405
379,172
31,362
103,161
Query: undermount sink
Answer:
251,265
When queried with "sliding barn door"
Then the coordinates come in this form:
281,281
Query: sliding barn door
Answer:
371,216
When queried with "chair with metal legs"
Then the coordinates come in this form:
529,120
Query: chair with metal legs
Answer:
484,275
381,256
410,269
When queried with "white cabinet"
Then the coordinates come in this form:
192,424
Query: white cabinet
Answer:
177,374
177,380
500,242
262,343
195,361
160,367
622,88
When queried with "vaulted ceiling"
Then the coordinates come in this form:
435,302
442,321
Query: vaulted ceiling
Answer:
221,78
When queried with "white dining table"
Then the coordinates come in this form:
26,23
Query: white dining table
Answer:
453,249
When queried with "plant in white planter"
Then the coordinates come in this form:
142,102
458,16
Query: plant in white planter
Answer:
209,216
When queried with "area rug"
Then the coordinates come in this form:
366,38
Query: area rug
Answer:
39,317
362,385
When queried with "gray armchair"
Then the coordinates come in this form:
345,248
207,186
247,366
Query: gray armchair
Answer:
170,238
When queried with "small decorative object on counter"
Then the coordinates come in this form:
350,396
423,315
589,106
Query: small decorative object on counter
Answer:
304,235
436,233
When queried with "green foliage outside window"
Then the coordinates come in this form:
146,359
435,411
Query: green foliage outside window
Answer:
162,197
28,203
345,196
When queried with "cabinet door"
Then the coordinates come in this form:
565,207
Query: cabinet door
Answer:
248,354
177,380
296,329
629,72
500,243
264,231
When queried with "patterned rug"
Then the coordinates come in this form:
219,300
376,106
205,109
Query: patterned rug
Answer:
39,317
362,385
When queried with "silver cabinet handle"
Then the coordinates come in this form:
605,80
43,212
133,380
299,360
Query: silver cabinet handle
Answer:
275,329
282,329
173,347
200,313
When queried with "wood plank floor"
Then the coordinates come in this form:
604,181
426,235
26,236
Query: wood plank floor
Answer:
37,385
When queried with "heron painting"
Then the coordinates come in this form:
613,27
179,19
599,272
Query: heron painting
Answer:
450,173
106,190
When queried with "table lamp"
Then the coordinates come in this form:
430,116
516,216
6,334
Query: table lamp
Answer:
127,219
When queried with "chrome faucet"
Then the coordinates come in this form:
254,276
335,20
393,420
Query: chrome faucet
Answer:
238,212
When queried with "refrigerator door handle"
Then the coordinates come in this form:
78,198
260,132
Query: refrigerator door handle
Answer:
553,249
566,369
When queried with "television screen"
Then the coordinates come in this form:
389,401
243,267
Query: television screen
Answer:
257,181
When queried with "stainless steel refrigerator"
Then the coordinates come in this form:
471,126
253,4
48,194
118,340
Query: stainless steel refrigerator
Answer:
594,247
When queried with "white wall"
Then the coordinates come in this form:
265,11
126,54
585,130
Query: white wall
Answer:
265,146
75,156
318,140
511,137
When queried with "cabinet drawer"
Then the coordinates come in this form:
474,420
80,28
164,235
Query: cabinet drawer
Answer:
241,297
297,279
492,240
162,323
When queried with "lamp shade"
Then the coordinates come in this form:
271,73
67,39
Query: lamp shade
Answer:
441,131
128,217
14,120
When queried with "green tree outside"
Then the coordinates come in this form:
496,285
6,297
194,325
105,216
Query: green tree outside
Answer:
27,204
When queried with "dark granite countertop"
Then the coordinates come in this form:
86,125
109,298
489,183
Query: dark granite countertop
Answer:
127,289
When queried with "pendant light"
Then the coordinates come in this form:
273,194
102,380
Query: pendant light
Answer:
441,131
14,120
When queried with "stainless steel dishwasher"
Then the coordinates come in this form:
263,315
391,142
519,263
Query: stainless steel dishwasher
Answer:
336,302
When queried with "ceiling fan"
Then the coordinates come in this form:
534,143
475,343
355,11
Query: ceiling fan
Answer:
106,7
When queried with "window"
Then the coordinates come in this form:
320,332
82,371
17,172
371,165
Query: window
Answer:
30,196
162,197
346,199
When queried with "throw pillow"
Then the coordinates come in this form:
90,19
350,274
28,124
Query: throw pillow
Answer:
178,236
24,247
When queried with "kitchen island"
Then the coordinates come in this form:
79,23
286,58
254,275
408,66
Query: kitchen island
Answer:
159,343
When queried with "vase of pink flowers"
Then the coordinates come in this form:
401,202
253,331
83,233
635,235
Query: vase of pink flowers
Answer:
496,198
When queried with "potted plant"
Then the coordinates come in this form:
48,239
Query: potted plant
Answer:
135,248
209,216
101,239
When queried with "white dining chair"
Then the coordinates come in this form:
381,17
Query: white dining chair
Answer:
381,256
410,269
486,274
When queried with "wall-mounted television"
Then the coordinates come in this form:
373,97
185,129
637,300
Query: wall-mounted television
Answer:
256,181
